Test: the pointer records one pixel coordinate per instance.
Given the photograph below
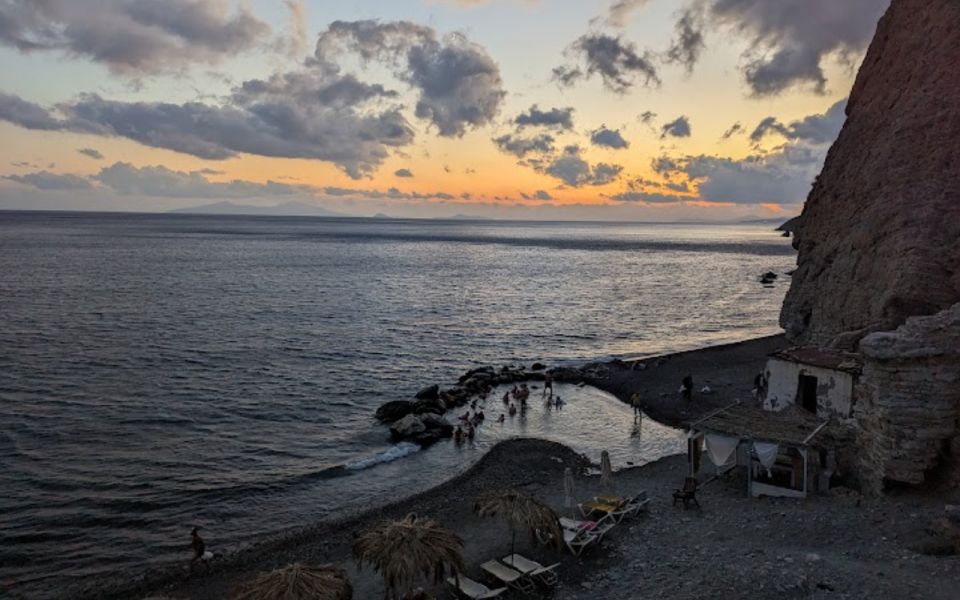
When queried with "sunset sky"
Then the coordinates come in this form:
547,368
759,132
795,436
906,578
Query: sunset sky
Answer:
566,109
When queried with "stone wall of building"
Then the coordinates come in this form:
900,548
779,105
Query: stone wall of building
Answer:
908,401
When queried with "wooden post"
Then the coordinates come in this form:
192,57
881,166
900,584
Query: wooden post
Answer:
805,450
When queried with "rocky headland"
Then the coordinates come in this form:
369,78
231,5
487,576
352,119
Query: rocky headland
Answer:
879,237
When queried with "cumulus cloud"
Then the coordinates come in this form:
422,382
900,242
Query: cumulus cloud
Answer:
305,114
782,175
791,39
458,83
818,129
574,171
679,127
608,138
561,118
403,173
131,36
521,146
45,180
615,60
91,152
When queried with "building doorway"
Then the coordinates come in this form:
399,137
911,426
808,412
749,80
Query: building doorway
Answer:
807,393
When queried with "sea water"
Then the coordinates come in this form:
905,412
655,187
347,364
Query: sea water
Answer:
163,371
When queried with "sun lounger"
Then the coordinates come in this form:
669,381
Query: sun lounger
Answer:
531,568
474,590
596,528
616,506
510,576
576,541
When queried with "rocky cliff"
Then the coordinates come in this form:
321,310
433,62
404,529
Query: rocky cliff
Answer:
879,238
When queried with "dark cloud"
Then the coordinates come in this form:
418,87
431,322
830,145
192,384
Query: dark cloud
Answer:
91,152
561,118
45,180
521,146
131,36
790,39
679,127
818,129
538,195
734,130
647,117
403,173
608,138
574,171
616,61
687,44
459,84
159,181
281,117
649,198
27,114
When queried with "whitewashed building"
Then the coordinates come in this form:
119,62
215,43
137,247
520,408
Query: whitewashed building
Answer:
819,380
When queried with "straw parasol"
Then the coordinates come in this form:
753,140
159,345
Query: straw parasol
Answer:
403,550
606,472
521,512
296,582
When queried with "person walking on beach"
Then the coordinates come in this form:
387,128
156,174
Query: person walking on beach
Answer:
686,387
199,547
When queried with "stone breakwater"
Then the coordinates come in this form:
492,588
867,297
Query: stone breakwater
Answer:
421,420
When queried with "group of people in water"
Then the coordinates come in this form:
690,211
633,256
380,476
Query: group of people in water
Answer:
515,400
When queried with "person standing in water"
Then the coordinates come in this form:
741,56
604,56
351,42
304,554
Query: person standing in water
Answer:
686,387
198,545
547,385
636,403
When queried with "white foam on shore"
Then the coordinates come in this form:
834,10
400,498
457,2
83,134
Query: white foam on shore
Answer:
389,455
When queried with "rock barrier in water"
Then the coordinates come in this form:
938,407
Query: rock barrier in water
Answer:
421,420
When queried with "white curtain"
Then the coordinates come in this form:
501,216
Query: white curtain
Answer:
721,449
767,453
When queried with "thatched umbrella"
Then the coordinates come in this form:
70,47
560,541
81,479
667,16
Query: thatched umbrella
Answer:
403,550
521,512
296,582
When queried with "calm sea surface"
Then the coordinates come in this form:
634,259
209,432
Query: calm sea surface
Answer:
158,371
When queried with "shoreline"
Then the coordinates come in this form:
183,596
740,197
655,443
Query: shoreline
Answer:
727,366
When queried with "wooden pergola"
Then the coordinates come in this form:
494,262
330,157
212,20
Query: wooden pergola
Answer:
793,431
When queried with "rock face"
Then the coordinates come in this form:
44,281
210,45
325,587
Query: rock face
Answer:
909,404
879,238
394,410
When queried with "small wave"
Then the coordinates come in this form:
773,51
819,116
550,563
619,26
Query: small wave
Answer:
389,455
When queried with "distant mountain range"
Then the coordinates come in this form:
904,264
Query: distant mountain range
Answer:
287,209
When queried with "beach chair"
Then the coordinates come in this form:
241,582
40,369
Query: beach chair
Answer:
531,568
687,494
511,577
575,541
629,505
597,528
474,590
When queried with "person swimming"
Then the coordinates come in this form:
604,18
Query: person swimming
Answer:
513,409
501,418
